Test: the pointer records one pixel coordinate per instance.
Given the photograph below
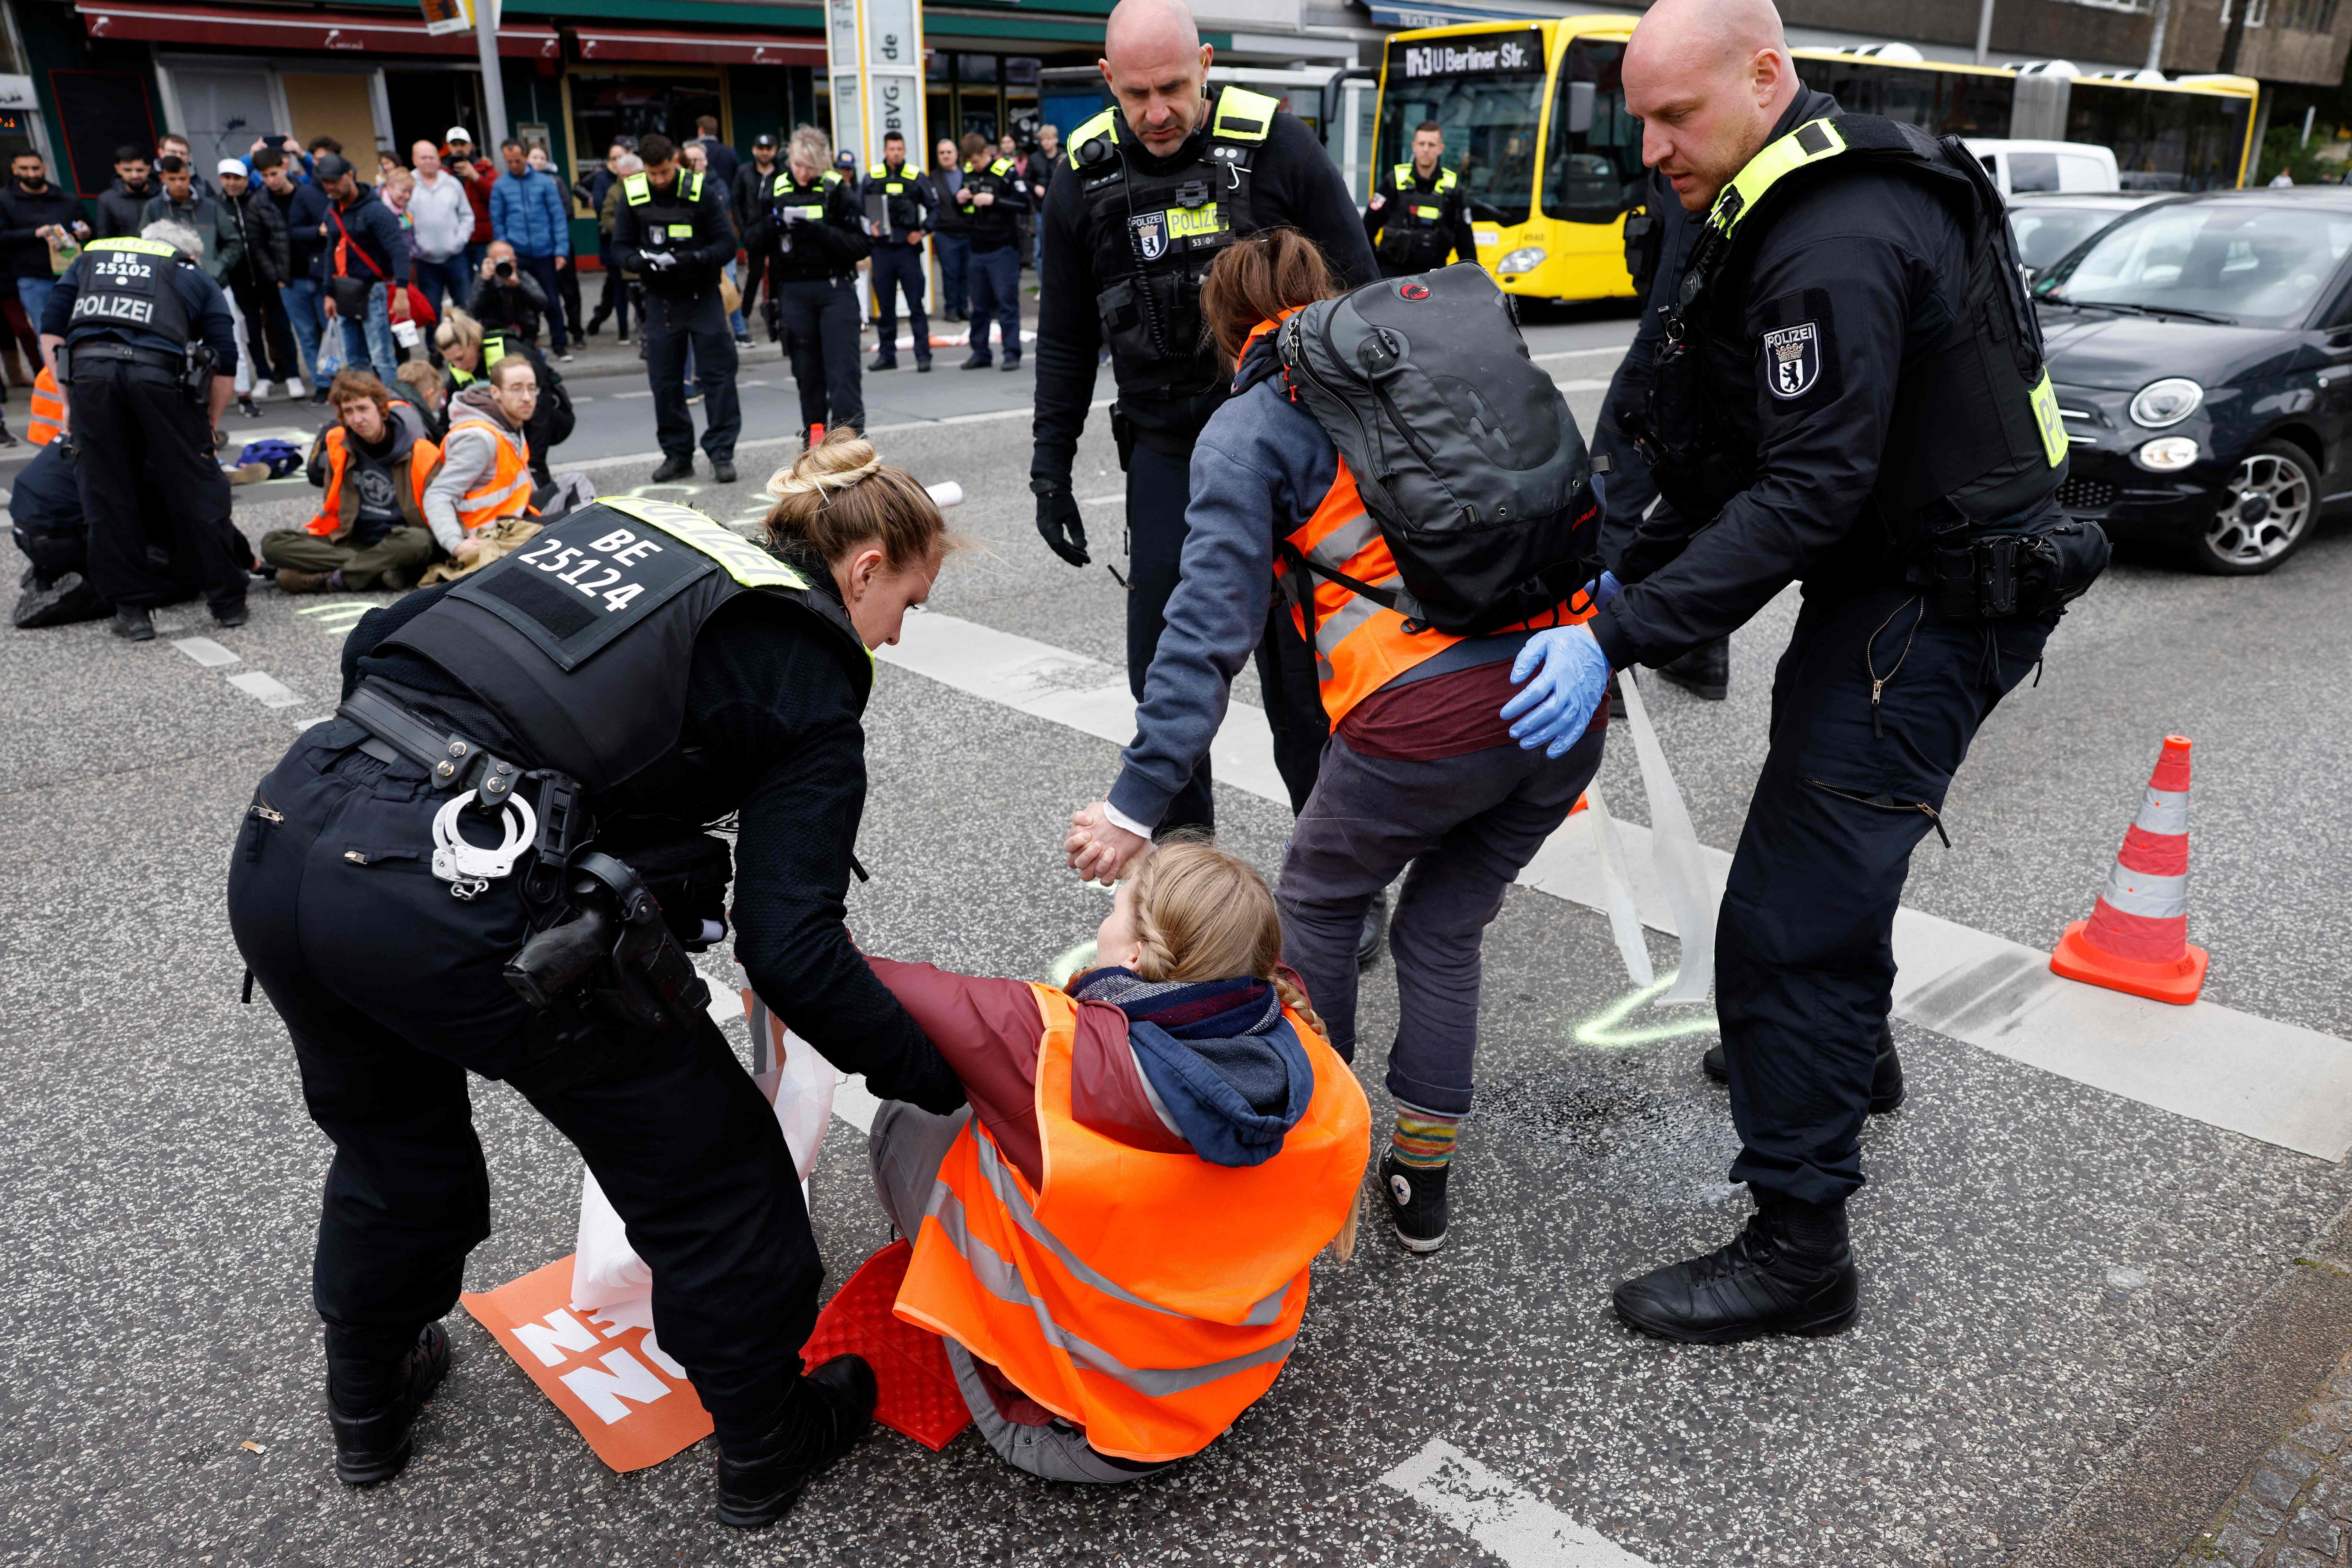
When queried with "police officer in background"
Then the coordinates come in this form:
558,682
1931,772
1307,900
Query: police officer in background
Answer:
992,196
670,227
1154,188
144,349
1420,212
903,199
1850,393
812,227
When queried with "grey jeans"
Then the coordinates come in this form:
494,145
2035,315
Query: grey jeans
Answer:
905,1147
1467,825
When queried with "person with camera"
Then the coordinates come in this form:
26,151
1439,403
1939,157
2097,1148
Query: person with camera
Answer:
144,349
812,227
506,298
670,227
727,681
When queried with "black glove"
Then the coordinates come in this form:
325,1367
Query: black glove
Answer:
1058,523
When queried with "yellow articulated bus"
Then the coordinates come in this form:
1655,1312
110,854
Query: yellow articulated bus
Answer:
1535,129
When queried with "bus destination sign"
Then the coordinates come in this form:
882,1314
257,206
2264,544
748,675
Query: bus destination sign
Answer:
1474,54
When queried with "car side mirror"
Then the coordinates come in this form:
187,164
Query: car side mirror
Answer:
1581,97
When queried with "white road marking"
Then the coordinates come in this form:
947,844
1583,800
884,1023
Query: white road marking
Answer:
1616,349
1584,384
273,692
626,459
1513,1523
623,397
1117,500
2275,1081
205,651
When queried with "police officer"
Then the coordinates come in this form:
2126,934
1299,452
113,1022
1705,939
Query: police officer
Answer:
1154,188
591,703
145,350
903,199
991,196
812,227
1850,393
671,229
1420,212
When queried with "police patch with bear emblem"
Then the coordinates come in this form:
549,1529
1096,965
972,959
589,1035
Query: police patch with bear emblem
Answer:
1149,231
1793,360
1796,337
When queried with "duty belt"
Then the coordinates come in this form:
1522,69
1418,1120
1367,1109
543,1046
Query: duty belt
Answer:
95,350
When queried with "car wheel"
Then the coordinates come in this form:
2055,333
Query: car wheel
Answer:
2266,514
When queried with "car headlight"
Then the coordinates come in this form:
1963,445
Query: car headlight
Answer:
2167,403
1527,258
2167,454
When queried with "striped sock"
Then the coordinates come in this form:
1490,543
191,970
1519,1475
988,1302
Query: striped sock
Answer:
1423,1138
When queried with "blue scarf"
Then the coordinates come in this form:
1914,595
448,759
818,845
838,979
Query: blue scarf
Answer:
1222,1058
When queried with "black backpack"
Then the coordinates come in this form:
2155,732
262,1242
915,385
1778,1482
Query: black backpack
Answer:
1465,453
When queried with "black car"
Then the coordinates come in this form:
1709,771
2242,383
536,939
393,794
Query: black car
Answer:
2202,353
2049,224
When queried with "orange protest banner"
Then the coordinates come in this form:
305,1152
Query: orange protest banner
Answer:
631,1402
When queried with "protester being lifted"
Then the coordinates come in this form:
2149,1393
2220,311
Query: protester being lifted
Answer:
728,684
1856,399
1418,770
1191,1143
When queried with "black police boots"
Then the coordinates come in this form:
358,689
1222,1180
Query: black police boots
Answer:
1416,1198
373,1443
1704,671
882,362
722,470
672,468
67,600
828,1411
1790,1272
1885,1080
133,623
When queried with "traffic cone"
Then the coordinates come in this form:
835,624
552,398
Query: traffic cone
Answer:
2137,939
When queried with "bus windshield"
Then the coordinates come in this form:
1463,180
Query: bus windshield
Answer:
1485,90
1593,172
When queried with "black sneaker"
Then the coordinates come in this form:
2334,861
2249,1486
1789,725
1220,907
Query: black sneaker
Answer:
672,468
1011,364
1763,1282
1885,1081
828,1411
922,367
233,613
1376,928
133,623
1416,1198
883,363
977,362
374,1444
1705,672
244,406
67,600
318,394
722,470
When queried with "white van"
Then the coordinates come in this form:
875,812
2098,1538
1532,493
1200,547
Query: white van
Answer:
2070,166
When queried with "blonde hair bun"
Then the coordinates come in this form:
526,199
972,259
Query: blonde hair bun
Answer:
839,461
839,496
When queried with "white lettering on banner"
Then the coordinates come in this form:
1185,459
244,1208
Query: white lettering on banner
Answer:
564,1333
624,1377
1446,59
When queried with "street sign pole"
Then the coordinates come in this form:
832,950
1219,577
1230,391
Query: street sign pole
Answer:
494,86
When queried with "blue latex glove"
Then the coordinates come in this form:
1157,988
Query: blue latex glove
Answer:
1570,675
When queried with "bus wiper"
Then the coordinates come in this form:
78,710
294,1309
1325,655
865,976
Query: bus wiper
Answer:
2213,316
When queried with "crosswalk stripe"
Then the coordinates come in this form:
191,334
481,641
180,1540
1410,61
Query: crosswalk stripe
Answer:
2275,1081
1505,1519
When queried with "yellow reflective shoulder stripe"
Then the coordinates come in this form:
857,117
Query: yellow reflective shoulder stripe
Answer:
494,348
1403,175
690,185
746,562
1446,178
143,246
1000,166
2046,420
832,177
1809,143
1103,125
1243,115
637,189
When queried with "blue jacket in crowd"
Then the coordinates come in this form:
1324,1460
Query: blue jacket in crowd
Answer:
527,212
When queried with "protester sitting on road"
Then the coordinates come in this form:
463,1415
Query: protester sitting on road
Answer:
484,481
468,352
506,298
369,531
1191,1142
1420,770
420,388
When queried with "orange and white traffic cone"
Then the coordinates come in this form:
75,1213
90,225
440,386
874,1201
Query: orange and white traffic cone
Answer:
2137,939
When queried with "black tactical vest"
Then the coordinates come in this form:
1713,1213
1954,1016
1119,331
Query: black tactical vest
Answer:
126,284
1418,226
533,635
1974,437
815,204
1153,238
899,210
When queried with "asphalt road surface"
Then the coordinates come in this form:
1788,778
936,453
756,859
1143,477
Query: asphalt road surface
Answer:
2083,1315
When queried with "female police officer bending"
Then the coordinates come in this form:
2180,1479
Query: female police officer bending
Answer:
491,862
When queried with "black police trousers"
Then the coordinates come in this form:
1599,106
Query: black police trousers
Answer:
820,336
898,268
1159,487
391,989
140,440
670,325
1804,946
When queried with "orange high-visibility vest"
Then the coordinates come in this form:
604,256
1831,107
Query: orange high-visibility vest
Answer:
422,455
49,408
1147,1297
506,492
1361,645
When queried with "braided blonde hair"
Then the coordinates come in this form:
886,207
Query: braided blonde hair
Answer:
1203,913
840,494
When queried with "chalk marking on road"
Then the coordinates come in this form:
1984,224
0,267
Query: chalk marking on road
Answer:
1604,1028
268,688
2276,1082
1505,1519
205,651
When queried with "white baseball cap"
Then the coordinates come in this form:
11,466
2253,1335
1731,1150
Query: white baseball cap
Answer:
232,166
458,133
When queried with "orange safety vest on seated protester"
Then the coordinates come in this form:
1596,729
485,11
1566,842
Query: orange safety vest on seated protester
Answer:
422,456
506,493
49,408
1361,645
1148,1297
